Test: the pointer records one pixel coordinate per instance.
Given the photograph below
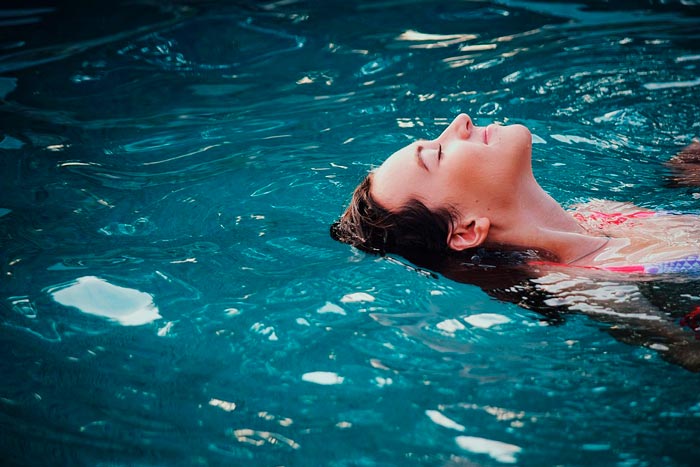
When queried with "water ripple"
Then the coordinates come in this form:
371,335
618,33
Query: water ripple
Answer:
188,165
242,42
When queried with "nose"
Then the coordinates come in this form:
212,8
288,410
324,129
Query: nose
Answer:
461,128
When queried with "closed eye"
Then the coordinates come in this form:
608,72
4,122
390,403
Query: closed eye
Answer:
421,163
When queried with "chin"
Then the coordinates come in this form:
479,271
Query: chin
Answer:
521,130
523,135
517,135
520,140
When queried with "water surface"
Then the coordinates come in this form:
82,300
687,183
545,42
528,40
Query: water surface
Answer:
170,294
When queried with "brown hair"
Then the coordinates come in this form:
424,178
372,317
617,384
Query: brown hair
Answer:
414,231
420,235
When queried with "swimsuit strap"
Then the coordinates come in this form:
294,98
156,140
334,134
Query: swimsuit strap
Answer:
688,265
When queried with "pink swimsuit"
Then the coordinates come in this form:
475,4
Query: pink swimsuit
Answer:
687,265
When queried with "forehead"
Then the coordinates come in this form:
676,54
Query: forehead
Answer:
393,181
401,157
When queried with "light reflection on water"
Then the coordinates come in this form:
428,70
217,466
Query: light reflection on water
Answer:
98,297
177,169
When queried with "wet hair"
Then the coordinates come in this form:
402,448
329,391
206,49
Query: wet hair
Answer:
413,231
420,235
685,167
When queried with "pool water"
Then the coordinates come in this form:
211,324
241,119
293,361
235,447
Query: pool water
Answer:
170,293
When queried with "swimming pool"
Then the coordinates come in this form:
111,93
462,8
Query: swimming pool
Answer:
170,294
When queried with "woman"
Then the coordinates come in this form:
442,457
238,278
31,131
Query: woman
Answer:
468,206
473,188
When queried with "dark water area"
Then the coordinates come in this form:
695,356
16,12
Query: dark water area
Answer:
170,294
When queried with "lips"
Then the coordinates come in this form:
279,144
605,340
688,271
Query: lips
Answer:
488,133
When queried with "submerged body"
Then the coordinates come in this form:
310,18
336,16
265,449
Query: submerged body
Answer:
640,240
468,206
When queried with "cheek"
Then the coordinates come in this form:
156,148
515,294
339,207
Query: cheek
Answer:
482,184
449,189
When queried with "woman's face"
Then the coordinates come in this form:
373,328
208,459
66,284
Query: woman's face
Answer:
466,168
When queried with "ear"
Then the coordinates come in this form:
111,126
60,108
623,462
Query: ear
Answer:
469,235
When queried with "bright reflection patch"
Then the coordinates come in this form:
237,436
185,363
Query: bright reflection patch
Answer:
486,320
502,452
98,297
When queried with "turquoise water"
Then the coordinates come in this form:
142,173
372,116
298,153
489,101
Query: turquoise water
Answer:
170,294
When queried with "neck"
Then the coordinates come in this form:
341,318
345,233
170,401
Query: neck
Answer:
536,220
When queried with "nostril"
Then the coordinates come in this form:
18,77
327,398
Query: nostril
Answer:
468,122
